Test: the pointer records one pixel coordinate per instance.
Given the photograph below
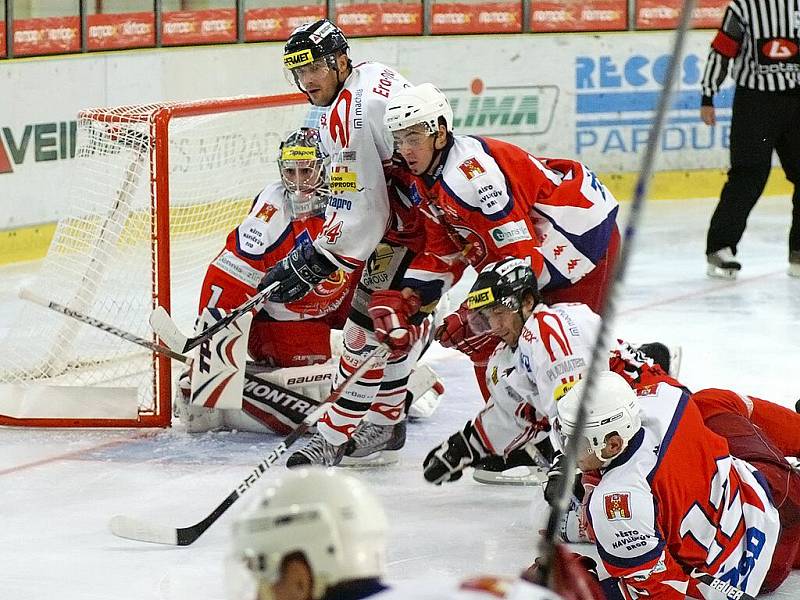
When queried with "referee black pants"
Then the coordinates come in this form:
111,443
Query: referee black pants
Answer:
761,122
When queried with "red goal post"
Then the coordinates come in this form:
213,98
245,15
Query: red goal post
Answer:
154,191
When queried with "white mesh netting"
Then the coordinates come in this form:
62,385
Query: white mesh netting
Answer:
101,259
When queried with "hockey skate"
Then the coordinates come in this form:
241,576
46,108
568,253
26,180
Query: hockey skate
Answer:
318,451
374,445
518,468
794,263
722,264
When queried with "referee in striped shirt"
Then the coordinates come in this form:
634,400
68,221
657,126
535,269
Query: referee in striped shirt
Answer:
762,37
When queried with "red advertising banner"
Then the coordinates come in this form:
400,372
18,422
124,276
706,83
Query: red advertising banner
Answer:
277,23
487,17
393,18
2,38
592,15
198,27
664,14
53,35
128,30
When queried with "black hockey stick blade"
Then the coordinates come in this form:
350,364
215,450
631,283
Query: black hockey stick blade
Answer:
142,531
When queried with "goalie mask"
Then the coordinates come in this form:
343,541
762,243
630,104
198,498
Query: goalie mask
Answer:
303,166
332,521
500,286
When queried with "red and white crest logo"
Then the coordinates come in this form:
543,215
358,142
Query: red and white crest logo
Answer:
265,212
618,506
471,168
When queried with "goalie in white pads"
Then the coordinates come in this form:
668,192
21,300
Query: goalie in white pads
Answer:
320,535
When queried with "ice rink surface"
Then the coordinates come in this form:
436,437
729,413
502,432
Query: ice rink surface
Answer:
61,487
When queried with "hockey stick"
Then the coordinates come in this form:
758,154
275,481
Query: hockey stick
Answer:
723,587
135,529
167,330
607,308
31,296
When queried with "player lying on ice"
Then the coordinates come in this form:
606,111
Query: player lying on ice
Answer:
674,496
289,342
319,535
369,224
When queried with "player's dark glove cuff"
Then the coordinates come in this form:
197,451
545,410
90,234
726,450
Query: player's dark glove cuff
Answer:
297,274
447,461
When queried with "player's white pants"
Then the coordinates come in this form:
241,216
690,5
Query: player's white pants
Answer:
379,395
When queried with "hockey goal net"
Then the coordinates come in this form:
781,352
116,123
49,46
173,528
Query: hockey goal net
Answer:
155,190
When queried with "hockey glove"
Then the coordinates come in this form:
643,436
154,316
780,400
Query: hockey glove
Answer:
455,332
447,461
551,487
297,274
392,315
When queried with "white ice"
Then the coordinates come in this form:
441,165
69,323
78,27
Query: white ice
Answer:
61,487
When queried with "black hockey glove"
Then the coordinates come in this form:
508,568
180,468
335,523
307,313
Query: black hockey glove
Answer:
447,461
297,274
551,487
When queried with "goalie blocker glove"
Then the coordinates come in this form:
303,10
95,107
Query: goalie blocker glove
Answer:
447,461
297,274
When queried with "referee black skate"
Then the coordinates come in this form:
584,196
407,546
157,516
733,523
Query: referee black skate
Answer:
763,40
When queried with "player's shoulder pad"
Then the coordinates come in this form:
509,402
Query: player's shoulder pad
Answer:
475,179
266,223
622,513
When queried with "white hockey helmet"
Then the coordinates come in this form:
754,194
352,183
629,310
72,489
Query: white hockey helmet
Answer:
423,103
333,520
612,408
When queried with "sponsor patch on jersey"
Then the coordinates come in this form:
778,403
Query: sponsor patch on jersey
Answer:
266,212
617,505
509,233
298,59
471,168
298,153
380,259
343,181
480,298
494,375
567,383
348,156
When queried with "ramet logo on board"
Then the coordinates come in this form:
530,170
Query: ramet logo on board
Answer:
37,142
502,110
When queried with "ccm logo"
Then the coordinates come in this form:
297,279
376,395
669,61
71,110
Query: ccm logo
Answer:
308,379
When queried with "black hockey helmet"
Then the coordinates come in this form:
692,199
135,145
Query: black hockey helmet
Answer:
500,283
312,41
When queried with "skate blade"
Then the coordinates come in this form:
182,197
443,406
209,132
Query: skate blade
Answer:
515,476
719,273
376,459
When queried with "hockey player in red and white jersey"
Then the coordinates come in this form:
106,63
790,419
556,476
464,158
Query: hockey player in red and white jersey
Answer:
659,525
320,535
285,215
368,224
544,351
485,199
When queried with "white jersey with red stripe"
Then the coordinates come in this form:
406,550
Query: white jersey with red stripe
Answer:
503,201
354,136
553,351
478,588
675,500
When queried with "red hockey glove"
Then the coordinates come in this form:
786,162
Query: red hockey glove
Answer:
391,313
455,332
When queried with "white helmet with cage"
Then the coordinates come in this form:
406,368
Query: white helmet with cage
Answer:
303,165
332,520
612,408
421,104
